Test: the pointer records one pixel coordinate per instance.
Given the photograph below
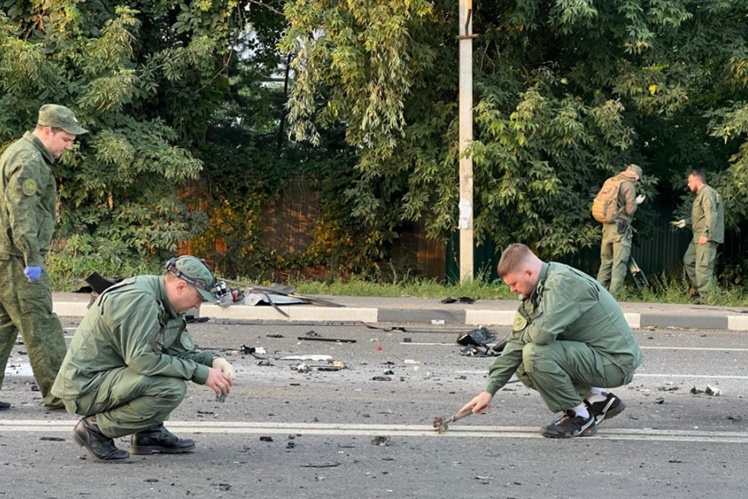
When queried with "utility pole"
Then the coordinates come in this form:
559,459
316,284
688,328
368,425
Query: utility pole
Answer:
465,37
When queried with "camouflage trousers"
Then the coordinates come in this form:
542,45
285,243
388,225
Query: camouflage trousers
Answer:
126,402
26,307
615,251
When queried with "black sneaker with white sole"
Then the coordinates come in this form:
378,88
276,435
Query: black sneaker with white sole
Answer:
570,425
605,409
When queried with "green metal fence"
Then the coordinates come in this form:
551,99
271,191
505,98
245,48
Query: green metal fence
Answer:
660,251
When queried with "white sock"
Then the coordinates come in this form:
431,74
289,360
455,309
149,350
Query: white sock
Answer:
581,410
596,395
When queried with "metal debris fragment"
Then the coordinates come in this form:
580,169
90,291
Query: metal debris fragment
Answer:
381,441
331,340
309,358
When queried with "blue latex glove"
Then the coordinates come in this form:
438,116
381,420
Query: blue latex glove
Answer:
32,273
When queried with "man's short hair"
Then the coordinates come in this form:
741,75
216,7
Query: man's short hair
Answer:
53,129
512,257
698,173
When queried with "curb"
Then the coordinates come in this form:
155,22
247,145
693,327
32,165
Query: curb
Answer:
460,317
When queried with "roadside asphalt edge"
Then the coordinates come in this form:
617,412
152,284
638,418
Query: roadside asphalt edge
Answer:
467,317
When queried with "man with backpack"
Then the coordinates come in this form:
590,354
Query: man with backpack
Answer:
614,207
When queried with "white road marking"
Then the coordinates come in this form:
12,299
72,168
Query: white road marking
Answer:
392,431
647,375
699,349
700,376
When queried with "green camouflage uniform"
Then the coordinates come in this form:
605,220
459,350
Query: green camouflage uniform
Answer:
27,222
130,359
615,249
568,336
707,219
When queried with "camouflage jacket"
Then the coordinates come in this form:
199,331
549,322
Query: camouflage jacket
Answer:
27,206
133,325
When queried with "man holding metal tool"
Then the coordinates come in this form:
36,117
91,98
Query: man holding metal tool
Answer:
569,339
129,361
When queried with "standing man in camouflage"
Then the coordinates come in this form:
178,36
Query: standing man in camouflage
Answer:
569,338
615,249
129,361
708,226
27,222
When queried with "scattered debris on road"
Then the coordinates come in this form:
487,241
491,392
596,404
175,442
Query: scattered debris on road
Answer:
710,390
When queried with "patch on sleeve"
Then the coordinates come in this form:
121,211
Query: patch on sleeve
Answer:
520,322
29,187
186,341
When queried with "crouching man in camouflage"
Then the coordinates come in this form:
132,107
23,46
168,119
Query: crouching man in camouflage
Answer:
129,361
569,339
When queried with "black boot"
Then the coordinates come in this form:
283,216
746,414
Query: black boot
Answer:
87,434
159,439
4,406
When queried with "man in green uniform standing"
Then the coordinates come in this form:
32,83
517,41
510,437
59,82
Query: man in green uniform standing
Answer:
129,361
27,222
615,249
569,339
708,226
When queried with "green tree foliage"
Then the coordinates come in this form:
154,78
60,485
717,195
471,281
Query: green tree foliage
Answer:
191,105
248,159
144,79
567,93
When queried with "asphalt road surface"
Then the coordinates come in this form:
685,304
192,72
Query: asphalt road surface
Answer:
366,430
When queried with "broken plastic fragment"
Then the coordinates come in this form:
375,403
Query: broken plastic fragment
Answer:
713,391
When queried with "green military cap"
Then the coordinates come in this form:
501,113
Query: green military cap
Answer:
194,271
58,116
635,168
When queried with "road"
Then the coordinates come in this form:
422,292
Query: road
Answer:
365,431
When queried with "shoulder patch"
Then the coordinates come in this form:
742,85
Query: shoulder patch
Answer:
186,341
520,322
29,187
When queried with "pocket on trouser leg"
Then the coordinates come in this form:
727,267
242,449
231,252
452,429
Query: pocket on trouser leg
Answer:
523,377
